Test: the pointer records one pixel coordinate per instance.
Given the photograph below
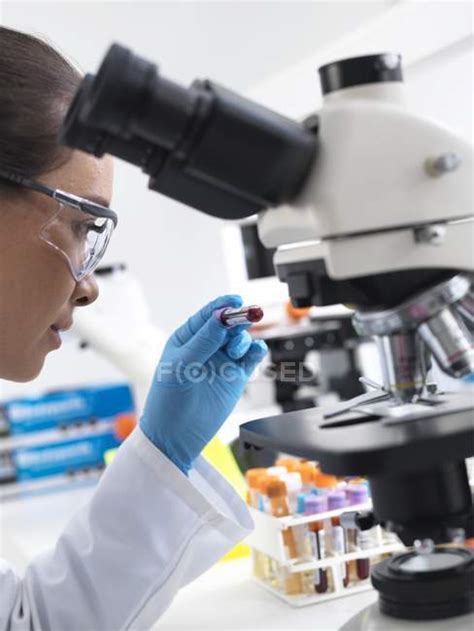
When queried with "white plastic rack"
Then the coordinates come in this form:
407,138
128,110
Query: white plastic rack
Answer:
267,538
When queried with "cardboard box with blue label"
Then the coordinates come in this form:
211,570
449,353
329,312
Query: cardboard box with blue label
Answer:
56,410
61,433
66,457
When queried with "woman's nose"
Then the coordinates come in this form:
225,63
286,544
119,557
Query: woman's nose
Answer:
86,292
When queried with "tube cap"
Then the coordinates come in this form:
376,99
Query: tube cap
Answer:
252,476
321,480
276,488
308,470
357,494
263,482
336,500
315,504
357,480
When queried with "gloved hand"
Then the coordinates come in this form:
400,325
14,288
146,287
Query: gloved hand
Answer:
199,379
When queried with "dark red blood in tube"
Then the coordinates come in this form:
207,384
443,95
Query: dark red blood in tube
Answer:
255,314
363,568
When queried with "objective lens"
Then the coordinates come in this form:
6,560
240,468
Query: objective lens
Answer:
465,308
403,365
450,342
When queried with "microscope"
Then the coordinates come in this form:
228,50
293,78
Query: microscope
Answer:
366,204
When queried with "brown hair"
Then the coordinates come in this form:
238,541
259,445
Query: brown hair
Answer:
36,86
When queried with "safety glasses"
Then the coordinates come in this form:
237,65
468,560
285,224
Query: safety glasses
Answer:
80,230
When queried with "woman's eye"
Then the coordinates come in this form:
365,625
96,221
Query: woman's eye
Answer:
82,228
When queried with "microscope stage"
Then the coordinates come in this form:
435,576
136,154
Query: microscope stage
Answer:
372,438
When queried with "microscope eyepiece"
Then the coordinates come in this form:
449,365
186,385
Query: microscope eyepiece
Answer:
348,73
204,145
73,131
91,139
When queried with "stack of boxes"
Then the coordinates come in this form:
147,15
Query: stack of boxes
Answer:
60,435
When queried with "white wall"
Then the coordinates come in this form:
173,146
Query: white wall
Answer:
429,34
267,50
441,86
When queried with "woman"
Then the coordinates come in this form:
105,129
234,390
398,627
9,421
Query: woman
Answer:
160,515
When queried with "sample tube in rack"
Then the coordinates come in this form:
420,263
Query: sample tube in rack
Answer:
277,495
337,500
317,504
252,476
358,494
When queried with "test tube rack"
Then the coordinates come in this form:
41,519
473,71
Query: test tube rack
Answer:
267,538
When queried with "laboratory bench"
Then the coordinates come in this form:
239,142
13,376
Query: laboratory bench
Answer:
227,598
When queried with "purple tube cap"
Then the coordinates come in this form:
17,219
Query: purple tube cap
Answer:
217,313
315,504
357,494
336,500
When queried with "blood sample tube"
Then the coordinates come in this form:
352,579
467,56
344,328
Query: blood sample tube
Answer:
262,486
252,476
230,316
294,486
263,564
277,495
337,500
358,494
308,470
317,504
364,542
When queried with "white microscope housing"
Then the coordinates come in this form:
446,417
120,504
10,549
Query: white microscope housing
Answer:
389,190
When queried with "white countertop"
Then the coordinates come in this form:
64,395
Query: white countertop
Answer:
226,598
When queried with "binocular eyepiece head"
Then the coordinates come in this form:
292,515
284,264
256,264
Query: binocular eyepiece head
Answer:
204,145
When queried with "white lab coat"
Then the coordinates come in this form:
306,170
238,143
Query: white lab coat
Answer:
147,531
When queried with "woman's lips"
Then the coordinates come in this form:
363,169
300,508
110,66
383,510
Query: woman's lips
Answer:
62,326
55,336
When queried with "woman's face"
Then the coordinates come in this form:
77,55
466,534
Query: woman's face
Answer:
37,289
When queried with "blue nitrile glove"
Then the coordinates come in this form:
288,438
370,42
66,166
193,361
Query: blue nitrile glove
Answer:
199,379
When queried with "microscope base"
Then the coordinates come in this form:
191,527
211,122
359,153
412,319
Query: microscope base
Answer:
371,619
433,586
